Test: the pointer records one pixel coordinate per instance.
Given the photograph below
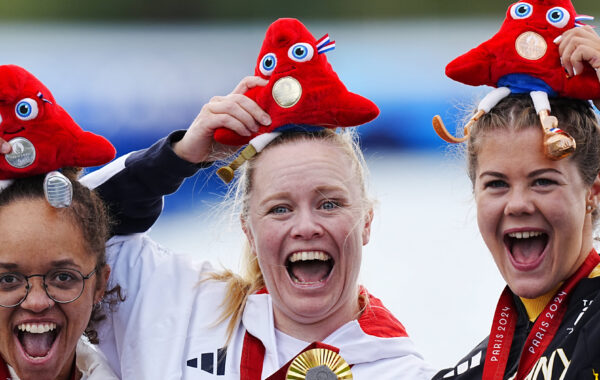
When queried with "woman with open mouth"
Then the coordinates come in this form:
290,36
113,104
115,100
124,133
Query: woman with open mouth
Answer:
52,278
297,308
536,212
53,231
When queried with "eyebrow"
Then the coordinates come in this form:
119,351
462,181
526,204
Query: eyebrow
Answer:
533,174
9,266
64,262
318,190
493,174
55,264
538,172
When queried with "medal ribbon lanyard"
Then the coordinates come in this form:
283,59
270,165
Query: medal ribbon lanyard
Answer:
540,336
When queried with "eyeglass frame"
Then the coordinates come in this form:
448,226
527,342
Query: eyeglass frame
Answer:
43,276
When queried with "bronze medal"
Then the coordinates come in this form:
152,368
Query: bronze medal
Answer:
531,45
319,364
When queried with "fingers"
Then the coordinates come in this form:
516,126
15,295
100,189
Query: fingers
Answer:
248,83
579,47
238,113
5,147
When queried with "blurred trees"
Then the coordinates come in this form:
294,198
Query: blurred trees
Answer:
223,10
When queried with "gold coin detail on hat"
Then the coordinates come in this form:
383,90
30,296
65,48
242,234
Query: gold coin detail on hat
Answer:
319,364
22,154
531,45
287,91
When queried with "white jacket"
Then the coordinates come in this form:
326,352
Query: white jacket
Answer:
166,327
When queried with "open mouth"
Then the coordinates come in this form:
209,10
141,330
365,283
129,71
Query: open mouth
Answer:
309,267
526,247
36,339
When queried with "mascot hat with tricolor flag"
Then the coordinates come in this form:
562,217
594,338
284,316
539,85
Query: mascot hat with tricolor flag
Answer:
523,58
303,90
42,134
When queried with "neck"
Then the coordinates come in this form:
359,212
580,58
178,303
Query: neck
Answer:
318,329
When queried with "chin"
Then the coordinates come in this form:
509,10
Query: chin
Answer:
530,288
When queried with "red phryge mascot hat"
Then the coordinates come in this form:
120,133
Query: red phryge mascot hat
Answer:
303,90
523,58
43,136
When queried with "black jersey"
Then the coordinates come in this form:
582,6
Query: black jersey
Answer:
574,353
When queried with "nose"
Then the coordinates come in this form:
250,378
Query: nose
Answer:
37,299
519,203
306,226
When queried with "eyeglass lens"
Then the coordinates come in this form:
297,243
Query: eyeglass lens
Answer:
62,285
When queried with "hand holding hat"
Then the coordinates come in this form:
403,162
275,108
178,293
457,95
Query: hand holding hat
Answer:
303,92
522,57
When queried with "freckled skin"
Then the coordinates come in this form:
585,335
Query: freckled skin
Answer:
553,202
33,235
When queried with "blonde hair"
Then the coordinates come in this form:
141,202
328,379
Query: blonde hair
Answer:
250,280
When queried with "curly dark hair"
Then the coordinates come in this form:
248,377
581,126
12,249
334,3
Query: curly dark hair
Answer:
90,215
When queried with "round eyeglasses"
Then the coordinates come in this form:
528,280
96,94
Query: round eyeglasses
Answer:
62,285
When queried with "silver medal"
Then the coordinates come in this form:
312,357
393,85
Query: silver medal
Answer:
22,154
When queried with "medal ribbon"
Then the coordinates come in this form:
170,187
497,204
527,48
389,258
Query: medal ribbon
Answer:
253,355
5,374
542,333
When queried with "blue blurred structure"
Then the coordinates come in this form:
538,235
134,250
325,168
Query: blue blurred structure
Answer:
134,83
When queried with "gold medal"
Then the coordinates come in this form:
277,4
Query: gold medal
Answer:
319,364
287,92
531,45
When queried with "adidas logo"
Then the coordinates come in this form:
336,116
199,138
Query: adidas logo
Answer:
208,361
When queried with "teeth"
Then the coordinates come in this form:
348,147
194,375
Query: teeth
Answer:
524,235
37,328
309,255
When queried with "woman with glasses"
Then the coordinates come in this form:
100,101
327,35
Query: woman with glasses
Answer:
53,271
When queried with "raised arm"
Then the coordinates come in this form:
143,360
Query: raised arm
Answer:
133,185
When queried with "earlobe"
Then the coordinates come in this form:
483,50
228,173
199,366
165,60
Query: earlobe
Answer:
366,235
595,191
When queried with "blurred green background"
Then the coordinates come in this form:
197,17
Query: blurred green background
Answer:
202,10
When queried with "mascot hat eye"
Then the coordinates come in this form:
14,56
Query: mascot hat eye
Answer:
26,109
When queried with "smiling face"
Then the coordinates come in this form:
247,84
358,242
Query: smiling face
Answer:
307,222
531,211
34,238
